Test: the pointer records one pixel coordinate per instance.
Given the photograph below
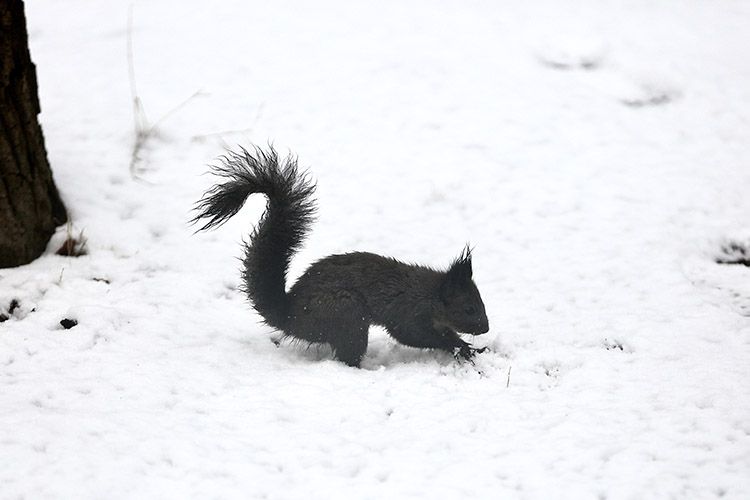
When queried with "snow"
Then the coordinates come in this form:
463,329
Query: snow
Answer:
595,153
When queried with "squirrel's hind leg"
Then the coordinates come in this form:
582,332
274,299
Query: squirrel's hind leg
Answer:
350,344
338,318
350,327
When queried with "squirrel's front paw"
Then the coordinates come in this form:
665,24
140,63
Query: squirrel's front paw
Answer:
467,353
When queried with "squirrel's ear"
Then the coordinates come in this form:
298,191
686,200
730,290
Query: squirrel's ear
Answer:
459,271
462,264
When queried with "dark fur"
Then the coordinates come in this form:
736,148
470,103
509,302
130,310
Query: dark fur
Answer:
337,299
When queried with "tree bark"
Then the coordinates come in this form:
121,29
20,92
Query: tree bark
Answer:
30,206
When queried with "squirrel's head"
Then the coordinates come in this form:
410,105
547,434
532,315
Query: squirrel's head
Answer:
464,309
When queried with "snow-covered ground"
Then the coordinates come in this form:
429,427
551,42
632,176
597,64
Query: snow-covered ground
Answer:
596,153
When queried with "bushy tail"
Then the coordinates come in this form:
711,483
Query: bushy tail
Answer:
289,213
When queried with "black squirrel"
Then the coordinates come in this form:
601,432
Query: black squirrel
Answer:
337,299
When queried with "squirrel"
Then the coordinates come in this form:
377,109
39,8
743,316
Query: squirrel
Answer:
338,297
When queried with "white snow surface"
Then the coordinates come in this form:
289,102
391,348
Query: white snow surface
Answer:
596,154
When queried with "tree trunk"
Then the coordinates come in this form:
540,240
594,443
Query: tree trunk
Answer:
30,206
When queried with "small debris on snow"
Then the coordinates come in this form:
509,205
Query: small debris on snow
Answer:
68,323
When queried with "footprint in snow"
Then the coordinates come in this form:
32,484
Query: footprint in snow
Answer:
616,345
645,94
572,53
735,256
734,253
723,273
6,314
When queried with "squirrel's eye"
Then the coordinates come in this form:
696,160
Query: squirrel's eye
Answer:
470,310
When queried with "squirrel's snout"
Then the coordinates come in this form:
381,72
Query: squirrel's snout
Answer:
482,328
